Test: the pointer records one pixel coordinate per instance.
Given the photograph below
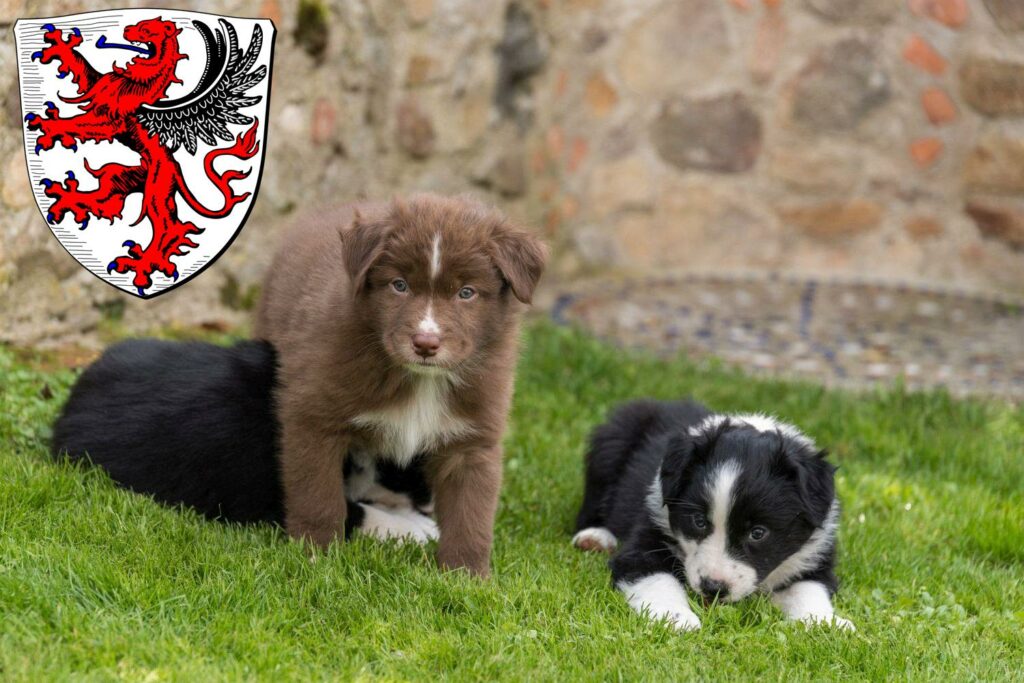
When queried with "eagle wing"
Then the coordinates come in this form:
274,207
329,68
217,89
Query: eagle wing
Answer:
204,114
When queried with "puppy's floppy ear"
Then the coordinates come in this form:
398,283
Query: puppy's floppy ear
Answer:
364,242
520,257
683,452
814,477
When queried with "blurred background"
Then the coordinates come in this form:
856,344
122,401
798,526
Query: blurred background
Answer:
832,189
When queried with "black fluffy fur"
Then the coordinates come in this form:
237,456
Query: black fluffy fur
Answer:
193,424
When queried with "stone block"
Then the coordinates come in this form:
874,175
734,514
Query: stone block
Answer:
833,219
840,86
720,134
994,87
679,43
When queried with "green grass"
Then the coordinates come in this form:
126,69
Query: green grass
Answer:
97,583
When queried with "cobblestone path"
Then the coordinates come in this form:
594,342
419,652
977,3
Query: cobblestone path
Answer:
851,334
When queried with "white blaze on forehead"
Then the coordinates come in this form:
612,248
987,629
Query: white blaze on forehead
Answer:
428,325
709,558
720,494
435,256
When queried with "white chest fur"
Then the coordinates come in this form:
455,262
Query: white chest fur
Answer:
422,423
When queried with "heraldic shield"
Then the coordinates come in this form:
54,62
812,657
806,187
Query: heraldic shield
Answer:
145,132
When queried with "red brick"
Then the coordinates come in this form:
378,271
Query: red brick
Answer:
271,9
952,13
561,83
577,154
552,221
921,54
926,151
768,44
325,118
570,207
600,95
538,160
555,139
938,107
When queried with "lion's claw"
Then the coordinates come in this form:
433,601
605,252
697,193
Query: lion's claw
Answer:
37,55
76,31
71,175
50,218
84,224
49,27
128,243
47,182
111,267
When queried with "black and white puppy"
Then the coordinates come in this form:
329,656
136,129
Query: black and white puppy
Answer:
194,424
725,504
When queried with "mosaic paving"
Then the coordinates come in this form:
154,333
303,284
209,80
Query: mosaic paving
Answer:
851,334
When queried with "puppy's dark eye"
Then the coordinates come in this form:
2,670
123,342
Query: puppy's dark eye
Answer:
758,533
700,521
399,285
467,293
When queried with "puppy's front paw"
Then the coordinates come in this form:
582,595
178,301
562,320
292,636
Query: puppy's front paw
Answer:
830,621
686,621
426,527
661,597
402,525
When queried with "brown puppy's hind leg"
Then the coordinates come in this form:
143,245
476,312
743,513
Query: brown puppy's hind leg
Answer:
311,474
466,485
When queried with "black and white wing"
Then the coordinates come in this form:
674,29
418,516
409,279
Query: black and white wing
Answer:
205,113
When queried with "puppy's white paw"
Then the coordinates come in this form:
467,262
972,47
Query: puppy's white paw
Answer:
661,597
595,539
686,621
426,527
830,621
402,525
843,624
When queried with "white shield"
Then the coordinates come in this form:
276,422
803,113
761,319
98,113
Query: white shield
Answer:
145,132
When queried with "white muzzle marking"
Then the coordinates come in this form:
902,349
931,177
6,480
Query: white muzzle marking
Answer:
709,558
428,325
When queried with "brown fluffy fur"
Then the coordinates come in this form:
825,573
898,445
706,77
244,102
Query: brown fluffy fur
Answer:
344,333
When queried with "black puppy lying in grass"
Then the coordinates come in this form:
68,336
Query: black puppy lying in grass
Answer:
725,504
193,424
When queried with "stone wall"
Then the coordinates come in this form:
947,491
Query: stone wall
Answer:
875,138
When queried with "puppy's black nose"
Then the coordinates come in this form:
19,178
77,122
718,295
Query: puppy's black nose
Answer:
712,588
425,344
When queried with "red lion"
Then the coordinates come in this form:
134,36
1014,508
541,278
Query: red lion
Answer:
127,105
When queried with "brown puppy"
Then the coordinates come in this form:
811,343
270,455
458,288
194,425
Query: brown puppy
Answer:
397,328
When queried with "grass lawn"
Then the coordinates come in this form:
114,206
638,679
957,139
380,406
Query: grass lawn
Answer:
97,583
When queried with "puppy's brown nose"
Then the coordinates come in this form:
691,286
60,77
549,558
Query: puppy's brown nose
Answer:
426,344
